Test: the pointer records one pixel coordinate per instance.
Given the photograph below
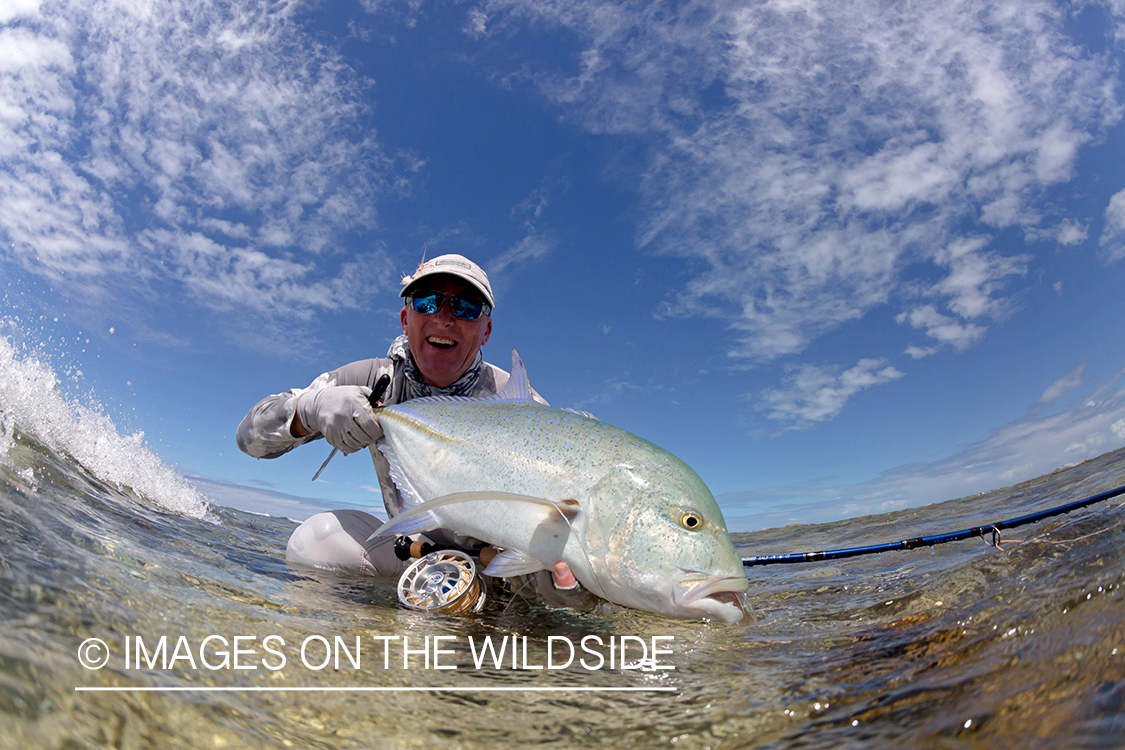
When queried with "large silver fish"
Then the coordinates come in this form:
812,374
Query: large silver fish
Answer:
635,524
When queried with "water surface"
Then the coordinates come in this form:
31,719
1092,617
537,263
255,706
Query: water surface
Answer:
959,645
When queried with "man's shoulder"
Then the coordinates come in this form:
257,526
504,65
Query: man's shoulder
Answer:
496,371
363,371
492,379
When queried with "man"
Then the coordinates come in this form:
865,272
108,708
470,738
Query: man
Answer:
439,353
446,320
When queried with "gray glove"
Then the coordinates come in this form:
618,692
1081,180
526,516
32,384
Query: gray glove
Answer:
342,415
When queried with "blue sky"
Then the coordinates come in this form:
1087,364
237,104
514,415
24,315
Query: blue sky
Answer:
841,257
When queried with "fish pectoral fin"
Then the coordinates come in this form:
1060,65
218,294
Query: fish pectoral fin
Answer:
512,562
424,518
413,521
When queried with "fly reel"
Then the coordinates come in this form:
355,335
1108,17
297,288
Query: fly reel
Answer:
445,581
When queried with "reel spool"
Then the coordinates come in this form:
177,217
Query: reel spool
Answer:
445,581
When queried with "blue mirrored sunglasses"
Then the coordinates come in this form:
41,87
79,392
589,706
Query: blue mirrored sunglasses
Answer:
428,303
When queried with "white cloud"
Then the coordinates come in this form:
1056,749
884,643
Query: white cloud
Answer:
974,276
127,130
12,9
244,278
817,394
1064,385
1113,233
529,249
919,352
943,328
536,243
1066,232
803,155
1116,9
477,24
1071,233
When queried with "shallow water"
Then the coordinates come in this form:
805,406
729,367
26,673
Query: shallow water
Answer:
959,645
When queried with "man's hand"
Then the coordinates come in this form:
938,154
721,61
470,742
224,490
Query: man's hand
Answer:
343,414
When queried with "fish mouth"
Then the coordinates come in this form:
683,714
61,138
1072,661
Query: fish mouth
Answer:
713,597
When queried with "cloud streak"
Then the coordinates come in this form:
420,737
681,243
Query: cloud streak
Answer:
208,146
1113,234
817,394
814,160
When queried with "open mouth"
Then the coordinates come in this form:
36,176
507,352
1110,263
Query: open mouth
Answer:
738,604
720,598
441,343
729,597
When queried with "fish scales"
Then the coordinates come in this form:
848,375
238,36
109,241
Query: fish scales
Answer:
464,447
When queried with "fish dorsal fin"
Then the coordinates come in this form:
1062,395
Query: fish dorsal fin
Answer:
518,387
426,516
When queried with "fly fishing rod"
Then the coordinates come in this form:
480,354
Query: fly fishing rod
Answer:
930,541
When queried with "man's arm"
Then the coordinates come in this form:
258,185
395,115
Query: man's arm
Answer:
273,426
296,429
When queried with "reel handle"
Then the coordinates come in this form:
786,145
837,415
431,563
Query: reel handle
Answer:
408,549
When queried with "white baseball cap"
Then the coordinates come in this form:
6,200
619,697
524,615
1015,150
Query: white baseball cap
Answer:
452,265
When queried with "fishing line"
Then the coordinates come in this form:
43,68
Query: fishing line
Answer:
929,541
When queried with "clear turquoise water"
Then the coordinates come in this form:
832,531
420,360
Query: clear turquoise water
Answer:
962,645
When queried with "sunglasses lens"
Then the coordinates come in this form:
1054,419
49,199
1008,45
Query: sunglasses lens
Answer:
427,304
465,309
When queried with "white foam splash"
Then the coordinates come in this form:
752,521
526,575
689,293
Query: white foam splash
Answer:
31,400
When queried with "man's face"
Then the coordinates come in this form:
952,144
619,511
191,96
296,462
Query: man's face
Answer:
444,346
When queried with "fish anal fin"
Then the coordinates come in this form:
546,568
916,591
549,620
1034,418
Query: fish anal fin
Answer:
399,477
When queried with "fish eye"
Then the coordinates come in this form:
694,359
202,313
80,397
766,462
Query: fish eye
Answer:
691,520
